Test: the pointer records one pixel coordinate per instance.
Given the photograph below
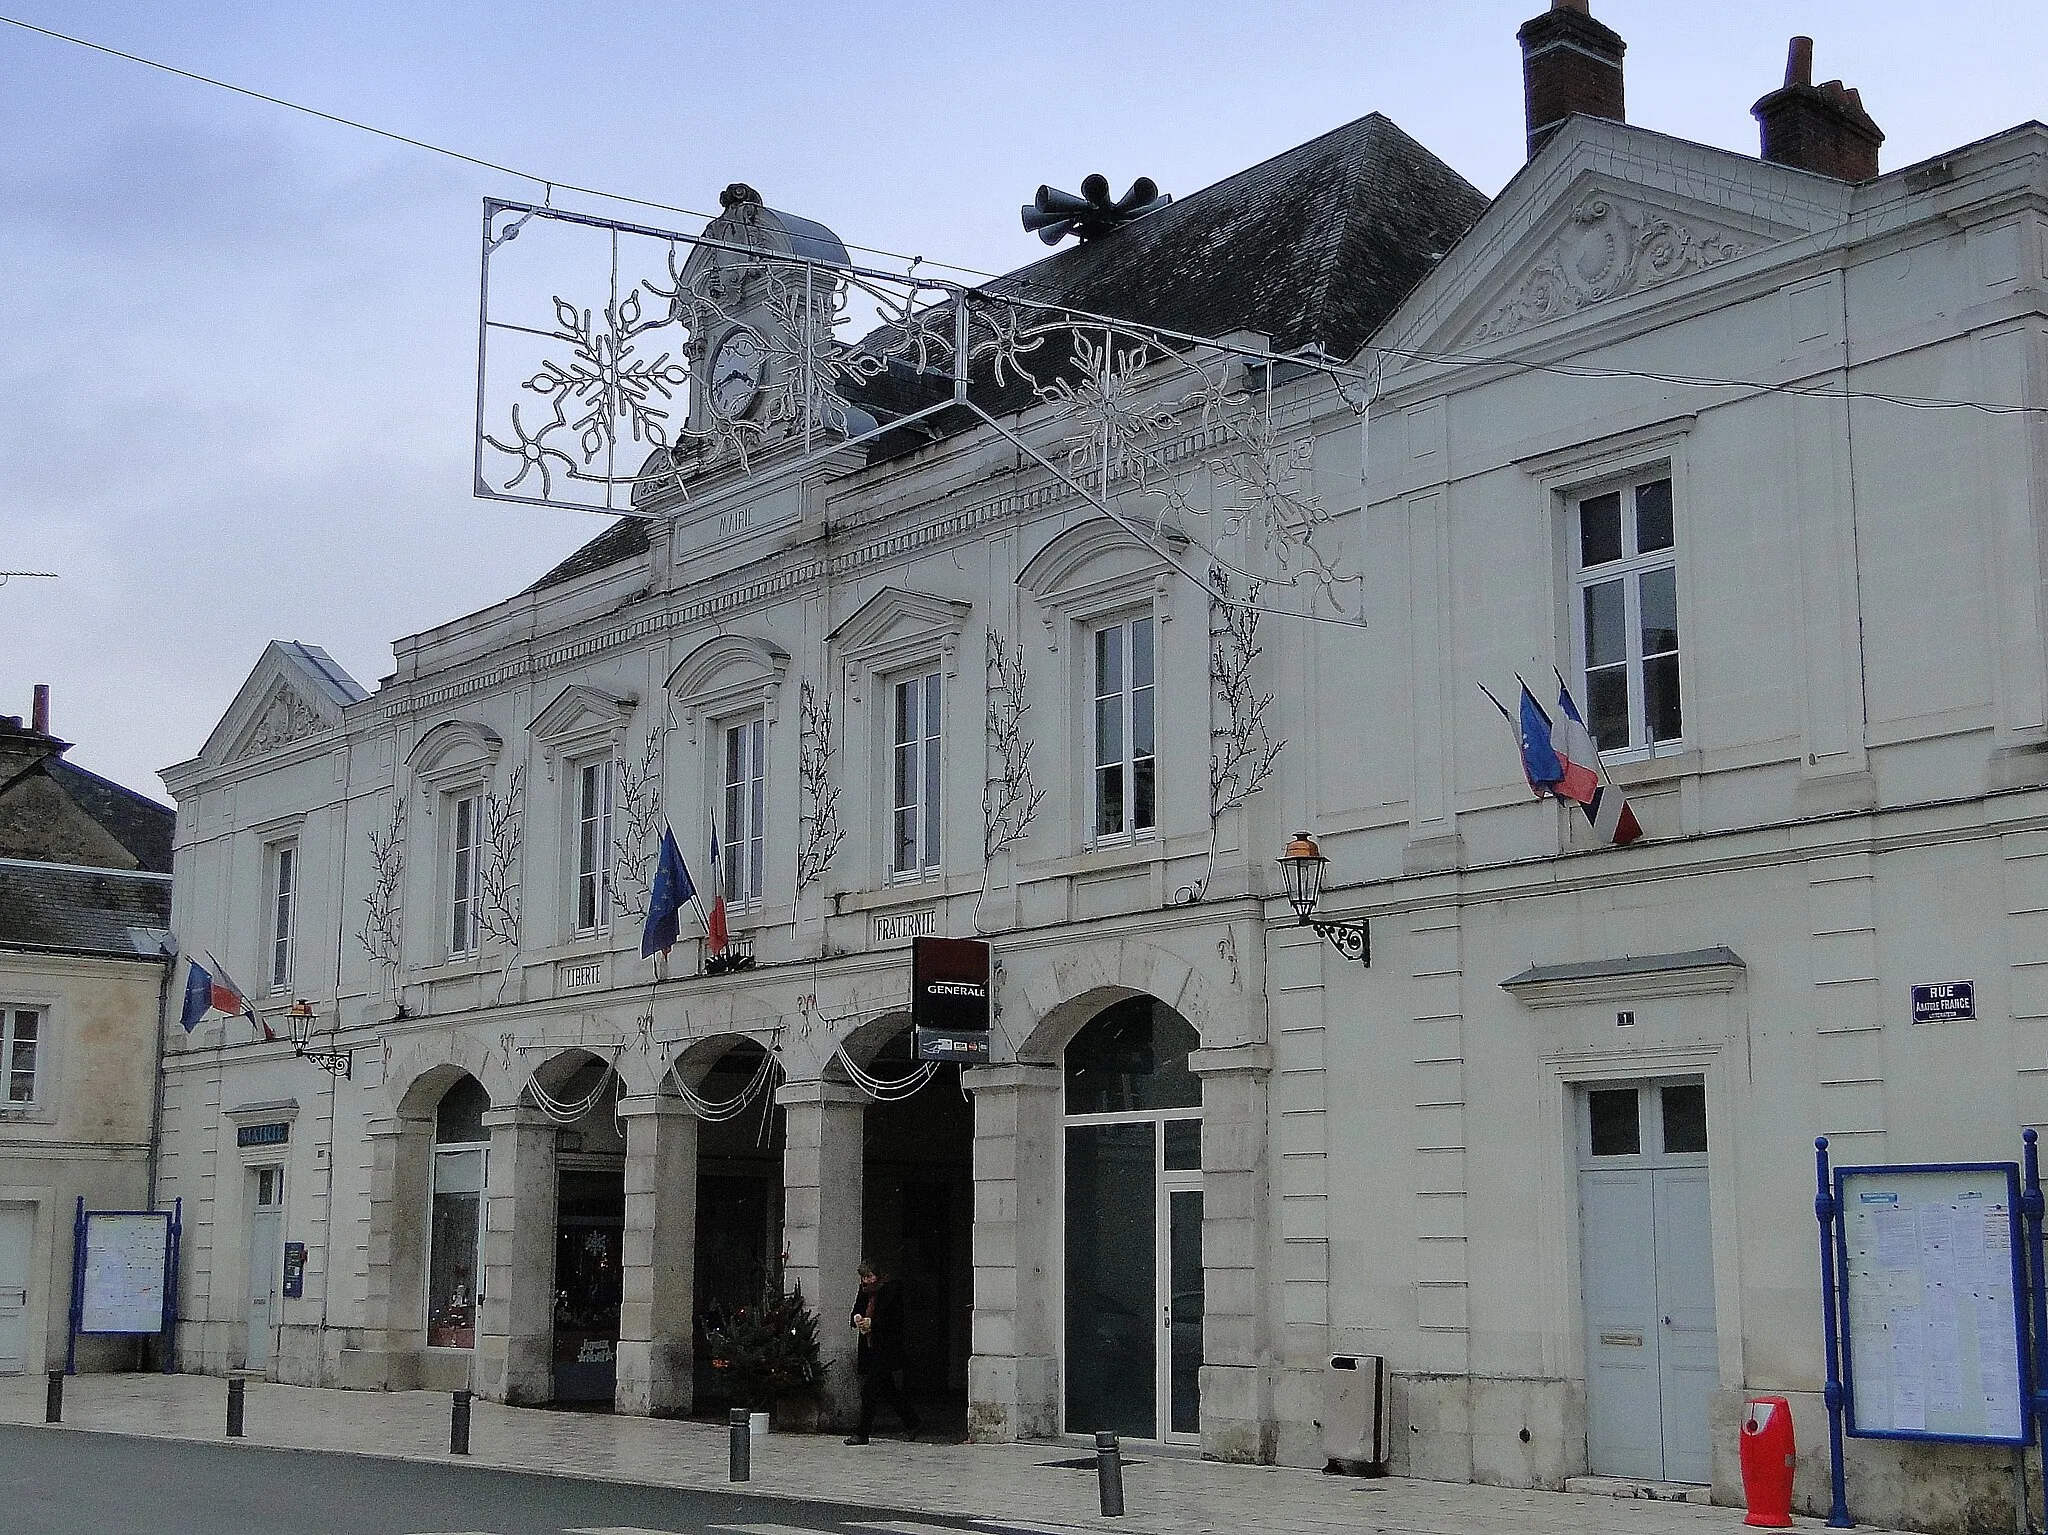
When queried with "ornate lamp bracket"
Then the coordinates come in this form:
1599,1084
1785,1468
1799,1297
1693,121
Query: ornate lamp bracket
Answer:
336,1063
1303,865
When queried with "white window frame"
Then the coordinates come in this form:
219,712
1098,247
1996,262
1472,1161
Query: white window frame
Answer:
282,861
1128,712
915,773
10,1015
742,837
1629,569
592,839
462,886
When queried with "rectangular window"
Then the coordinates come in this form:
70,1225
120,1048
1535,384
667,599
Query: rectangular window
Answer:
1625,615
1124,770
284,883
21,1048
465,867
914,802
593,846
746,810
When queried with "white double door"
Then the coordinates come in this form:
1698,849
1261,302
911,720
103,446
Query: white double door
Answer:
17,1239
1647,1278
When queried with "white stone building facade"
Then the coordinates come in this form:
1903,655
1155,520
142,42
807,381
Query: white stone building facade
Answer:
1696,430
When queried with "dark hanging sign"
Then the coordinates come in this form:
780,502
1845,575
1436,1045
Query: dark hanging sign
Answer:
949,1004
294,1270
264,1135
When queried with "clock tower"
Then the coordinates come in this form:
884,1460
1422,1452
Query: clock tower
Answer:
758,296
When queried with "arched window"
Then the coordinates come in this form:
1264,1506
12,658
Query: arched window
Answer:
454,1261
1134,1224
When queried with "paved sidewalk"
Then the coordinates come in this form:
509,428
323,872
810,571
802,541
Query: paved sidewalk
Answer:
1011,1485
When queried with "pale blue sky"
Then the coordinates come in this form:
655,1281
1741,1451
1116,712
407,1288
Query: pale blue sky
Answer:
239,344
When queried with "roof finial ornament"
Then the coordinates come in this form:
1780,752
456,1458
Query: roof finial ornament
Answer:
1053,214
739,192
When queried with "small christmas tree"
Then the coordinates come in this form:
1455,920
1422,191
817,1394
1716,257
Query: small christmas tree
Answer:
770,1350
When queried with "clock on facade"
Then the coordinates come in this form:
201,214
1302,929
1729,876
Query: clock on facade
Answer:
738,364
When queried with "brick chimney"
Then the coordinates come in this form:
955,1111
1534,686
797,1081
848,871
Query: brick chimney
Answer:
41,711
1570,63
1820,128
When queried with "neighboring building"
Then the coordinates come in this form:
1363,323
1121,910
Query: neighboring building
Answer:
1638,419
85,913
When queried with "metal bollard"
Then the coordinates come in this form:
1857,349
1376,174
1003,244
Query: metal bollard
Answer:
739,1447
53,1404
458,1425
1109,1473
236,1387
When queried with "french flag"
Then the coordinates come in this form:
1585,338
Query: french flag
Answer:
1577,756
715,934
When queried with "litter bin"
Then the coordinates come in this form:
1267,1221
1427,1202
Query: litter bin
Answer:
1355,1413
1767,1456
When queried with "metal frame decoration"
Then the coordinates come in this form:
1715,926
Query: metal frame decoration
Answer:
636,841
1201,449
1243,750
1009,797
821,832
381,931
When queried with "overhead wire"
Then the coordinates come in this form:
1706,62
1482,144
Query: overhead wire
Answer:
552,183
1449,359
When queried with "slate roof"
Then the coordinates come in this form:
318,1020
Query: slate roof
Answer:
1314,247
624,540
134,820
60,908
340,685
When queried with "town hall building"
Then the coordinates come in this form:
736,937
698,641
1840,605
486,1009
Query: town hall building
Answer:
1050,615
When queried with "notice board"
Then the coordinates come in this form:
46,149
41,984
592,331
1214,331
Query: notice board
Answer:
1932,1321
126,1261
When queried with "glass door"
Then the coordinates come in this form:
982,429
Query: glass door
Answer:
1181,1386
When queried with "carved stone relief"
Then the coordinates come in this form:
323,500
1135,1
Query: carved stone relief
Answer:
1609,248
286,718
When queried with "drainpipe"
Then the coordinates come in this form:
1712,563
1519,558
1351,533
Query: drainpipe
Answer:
169,950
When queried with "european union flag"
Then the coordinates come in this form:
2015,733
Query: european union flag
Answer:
672,887
198,996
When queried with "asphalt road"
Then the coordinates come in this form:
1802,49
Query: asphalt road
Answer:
65,1482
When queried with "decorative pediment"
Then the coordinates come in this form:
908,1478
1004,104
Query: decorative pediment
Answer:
1609,245
294,693
453,751
895,628
287,717
580,720
1092,568
726,675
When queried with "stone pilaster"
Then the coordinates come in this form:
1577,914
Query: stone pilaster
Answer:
656,1311
823,1170
394,1307
1238,1419
1013,1375
515,1332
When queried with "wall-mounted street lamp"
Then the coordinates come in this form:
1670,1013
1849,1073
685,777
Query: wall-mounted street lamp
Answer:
1303,864
337,1063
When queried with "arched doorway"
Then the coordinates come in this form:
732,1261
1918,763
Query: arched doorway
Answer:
1133,1184
739,1194
580,1093
917,1214
455,1229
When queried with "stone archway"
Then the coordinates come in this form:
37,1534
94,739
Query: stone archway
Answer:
395,1354
916,1208
1015,1376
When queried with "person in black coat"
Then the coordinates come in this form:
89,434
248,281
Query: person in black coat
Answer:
878,1316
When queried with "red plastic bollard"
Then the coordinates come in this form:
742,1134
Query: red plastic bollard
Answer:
1767,1455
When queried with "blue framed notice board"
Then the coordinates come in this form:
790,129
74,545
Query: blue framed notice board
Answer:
1933,1318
